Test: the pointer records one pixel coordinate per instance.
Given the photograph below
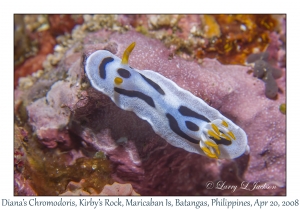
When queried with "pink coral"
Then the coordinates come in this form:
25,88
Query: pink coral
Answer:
76,188
139,155
118,189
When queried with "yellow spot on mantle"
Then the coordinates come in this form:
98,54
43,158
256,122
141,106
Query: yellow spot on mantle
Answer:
118,80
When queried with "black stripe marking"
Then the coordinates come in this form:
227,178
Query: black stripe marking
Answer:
190,113
221,141
132,93
175,128
192,126
154,85
124,73
102,66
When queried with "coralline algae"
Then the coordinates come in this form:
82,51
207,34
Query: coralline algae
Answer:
72,109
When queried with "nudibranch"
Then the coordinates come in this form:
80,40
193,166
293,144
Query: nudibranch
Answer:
182,119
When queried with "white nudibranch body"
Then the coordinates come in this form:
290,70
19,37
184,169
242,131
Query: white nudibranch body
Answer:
175,114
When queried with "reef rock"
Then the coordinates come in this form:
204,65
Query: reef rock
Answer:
118,189
140,157
22,186
77,188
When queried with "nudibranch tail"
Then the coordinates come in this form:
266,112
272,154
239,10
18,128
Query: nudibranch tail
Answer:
175,114
127,52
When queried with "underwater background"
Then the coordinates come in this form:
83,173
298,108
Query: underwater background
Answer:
70,139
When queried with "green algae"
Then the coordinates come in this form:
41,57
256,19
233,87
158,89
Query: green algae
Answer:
100,155
20,116
49,174
282,108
